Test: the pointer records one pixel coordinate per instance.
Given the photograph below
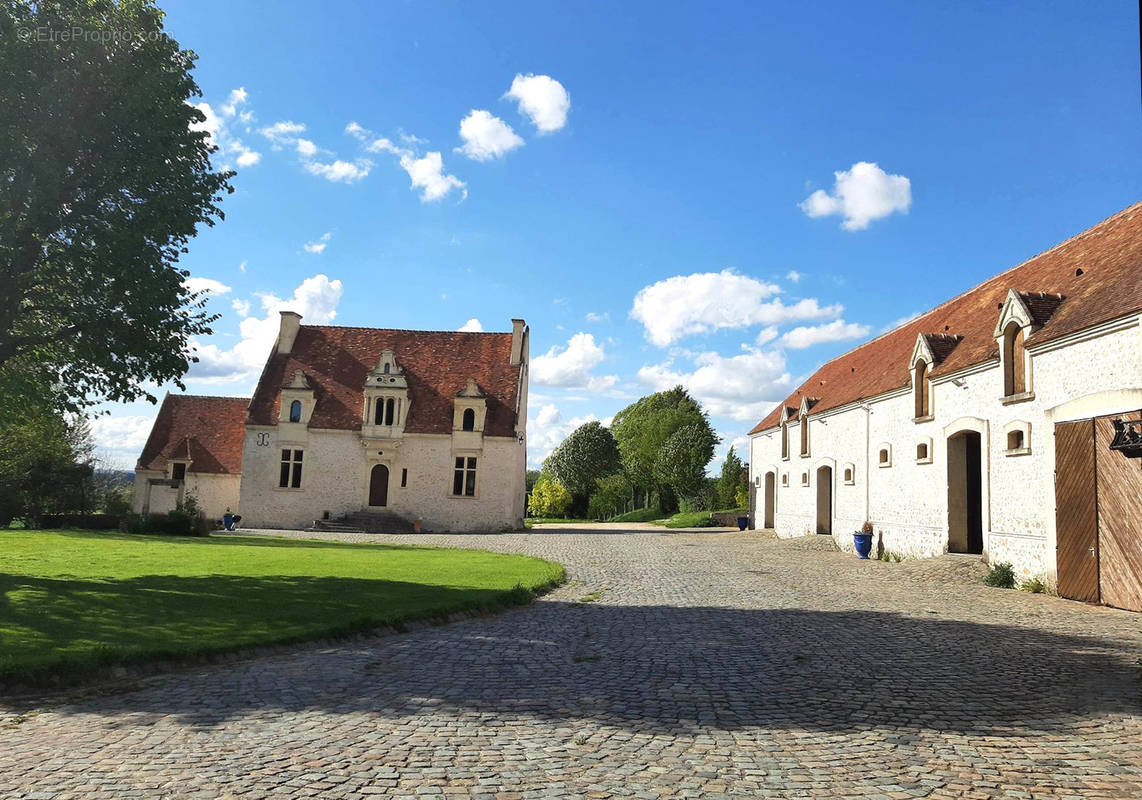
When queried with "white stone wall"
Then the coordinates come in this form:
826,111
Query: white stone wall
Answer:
335,479
908,501
215,493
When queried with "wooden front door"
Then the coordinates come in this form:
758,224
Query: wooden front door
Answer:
1119,500
1098,516
379,486
1076,518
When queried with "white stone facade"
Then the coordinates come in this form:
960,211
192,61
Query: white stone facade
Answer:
337,466
214,493
1089,373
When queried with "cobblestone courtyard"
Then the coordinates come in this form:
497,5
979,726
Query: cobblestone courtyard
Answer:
670,665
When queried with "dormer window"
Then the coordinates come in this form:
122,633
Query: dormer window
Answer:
296,400
929,351
470,409
804,437
785,440
178,471
386,399
1014,358
295,411
1021,314
922,386
469,419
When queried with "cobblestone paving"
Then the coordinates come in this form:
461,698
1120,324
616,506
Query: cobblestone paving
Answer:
708,665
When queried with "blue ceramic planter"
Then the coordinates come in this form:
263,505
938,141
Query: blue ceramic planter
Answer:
863,544
742,523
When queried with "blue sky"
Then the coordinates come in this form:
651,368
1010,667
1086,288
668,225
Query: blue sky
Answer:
721,196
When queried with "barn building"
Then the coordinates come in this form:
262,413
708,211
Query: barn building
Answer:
1005,422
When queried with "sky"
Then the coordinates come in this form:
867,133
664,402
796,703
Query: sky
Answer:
722,196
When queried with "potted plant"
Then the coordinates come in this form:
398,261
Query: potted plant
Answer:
862,539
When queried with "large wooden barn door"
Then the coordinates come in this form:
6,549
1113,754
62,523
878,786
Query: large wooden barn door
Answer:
1098,514
1076,517
1119,519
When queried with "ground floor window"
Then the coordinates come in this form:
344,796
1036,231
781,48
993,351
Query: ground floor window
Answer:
464,477
290,477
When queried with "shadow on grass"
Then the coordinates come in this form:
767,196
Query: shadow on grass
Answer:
229,540
671,669
69,624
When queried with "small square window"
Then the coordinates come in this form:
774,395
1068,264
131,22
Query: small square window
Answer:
178,472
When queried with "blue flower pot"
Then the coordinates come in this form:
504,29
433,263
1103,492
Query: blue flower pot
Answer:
863,544
742,522
227,521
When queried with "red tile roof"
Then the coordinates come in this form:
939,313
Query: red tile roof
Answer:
1098,275
209,431
436,364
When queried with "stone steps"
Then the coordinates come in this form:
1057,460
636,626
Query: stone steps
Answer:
377,522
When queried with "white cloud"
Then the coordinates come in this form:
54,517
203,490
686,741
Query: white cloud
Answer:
896,323
316,299
486,136
862,194
220,133
340,171
689,304
241,307
542,99
284,132
793,276
836,331
743,387
766,335
547,430
242,266
425,172
472,326
593,316
120,440
306,148
318,246
571,366
206,285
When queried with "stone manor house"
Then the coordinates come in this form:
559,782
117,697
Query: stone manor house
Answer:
401,425
1005,422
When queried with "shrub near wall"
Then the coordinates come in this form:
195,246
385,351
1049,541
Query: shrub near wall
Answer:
176,523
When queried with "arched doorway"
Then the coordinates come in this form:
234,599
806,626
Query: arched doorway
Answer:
825,500
379,486
770,498
965,493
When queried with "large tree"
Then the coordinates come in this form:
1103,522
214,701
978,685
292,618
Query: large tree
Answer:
589,453
45,464
731,481
105,176
642,430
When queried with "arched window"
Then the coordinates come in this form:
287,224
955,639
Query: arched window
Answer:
379,413
784,440
390,405
469,419
1014,360
923,408
295,411
921,451
1015,440
804,436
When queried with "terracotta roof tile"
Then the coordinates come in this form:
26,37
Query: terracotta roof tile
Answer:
209,431
1089,279
436,364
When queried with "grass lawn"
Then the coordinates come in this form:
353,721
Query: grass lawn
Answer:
554,521
71,599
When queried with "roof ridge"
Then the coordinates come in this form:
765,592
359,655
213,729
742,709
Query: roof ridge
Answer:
406,330
978,286
208,396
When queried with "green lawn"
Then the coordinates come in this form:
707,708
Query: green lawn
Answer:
70,599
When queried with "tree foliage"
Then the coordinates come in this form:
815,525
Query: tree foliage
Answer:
45,465
731,482
587,454
103,182
643,431
548,498
682,460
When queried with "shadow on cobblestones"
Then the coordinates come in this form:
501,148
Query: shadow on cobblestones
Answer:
655,668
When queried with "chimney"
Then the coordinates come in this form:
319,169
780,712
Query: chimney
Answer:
291,322
519,331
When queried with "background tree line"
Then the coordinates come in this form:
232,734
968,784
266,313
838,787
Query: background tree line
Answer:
652,459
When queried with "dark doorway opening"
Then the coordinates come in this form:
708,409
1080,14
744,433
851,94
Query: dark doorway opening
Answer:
965,493
379,486
825,500
770,498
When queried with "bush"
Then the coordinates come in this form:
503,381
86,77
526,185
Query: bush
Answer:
1035,585
91,522
1002,575
548,498
177,523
